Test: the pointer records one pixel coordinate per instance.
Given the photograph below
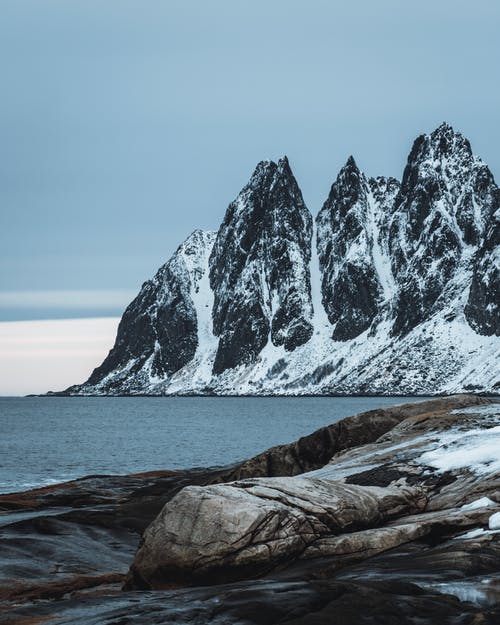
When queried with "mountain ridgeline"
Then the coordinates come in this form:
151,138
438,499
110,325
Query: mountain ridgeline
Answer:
394,289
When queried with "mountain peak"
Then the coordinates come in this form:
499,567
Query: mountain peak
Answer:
268,171
351,164
350,175
199,235
444,151
283,162
444,128
445,141
398,294
263,167
284,168
262,177
196,242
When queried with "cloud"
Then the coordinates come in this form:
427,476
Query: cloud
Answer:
66,299
37,356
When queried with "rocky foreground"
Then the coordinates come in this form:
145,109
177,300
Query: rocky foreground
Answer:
391,516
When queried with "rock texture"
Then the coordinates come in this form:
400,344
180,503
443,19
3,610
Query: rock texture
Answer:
483,306
389,524
447,197
259,269
243,529
422,478
356,276
392,290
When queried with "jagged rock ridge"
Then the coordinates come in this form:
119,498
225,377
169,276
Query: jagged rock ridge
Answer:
259,268
397,294
446,200
158,333
352,229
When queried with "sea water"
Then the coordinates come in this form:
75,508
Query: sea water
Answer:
45,440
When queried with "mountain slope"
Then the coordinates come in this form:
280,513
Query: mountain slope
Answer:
356,273
483,306
447,196
393,290
162,329
258,268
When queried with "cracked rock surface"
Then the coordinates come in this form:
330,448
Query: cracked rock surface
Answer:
387,517
415,480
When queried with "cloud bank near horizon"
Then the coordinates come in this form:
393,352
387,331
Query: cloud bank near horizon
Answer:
38,356
63,304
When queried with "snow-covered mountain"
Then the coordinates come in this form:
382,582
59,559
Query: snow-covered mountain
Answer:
259,269
394,290
352,241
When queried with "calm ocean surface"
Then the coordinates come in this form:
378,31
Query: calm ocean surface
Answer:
45,440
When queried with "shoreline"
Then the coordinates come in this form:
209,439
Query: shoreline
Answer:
85,548
272,396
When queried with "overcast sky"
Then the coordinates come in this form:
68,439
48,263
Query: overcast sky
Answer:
126,124
50,355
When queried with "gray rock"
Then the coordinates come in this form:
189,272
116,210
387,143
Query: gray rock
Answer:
245,528
447,196
352,229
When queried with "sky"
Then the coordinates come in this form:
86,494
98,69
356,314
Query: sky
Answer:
52,354
126,124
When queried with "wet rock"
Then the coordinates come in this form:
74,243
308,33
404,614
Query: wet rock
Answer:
377,533
245,528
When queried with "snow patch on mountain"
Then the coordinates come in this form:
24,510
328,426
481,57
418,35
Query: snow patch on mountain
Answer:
393,290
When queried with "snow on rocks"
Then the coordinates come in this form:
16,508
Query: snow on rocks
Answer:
243,528
477,450
494,521
259,269
483,502
396,294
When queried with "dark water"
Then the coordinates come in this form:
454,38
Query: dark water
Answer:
45,440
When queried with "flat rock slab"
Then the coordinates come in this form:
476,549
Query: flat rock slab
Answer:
365,533
412,585
246,528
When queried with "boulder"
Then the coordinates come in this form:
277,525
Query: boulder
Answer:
241,529
372,496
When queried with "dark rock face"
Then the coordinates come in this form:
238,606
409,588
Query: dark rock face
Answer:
404,283
483,307
446,196
80,535
259,268
157,334
351,229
